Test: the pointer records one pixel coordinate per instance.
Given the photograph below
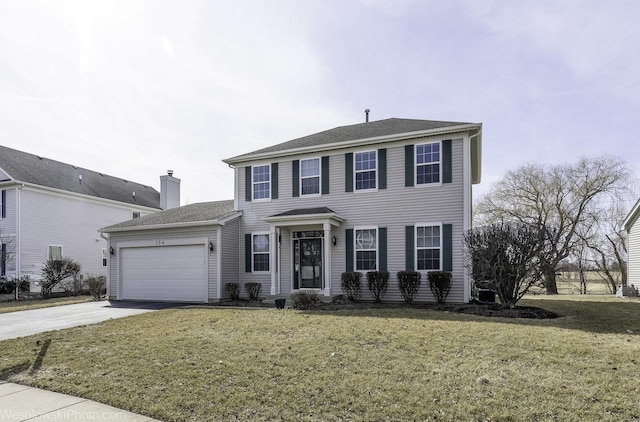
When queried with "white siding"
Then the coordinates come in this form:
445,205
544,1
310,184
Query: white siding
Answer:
633,265
72,222
394,208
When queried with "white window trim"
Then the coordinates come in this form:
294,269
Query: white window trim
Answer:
415,165
319,176
253,253
415,246
355,249
355,172
253,183
55,246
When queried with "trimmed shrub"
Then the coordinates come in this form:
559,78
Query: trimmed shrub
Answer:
305,300
8,285
233,290
96,285
377,282
409,283
351,285
440,284
254,290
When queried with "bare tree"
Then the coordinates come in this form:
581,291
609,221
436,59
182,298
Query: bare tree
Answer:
560,198
507,257
56,270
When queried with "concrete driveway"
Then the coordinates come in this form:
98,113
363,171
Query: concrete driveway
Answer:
26,323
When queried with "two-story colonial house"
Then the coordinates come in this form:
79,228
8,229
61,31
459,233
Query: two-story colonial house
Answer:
391,195
50,209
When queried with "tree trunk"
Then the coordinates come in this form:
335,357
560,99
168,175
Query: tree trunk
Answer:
550,282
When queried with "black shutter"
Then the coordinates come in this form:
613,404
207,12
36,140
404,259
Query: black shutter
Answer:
382,244
447,247
3,260
274,180
409,248
348,238
247,184
446,162
295,164
382,168
408,165
348,172
325,175
4,204
247,253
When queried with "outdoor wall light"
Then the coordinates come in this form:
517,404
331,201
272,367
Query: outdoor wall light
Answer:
335,241
111,251
211,247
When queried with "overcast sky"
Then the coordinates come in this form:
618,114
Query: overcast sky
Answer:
133,88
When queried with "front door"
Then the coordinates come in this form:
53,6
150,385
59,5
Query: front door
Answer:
307,255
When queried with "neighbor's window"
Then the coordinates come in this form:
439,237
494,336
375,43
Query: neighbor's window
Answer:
261,181
365,169
55,252
428,247
260,251
428,163
366,248
310,176
104,257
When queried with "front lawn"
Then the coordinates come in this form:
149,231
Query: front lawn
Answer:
27,304
370,364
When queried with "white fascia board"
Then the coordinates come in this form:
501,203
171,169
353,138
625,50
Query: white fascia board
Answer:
231,217
90,198
306,218
356,142
162,226
632,217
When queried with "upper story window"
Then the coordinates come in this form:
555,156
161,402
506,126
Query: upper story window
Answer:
428,163
261,182
366,170
366,247
428,247
55,252
260,251
310,176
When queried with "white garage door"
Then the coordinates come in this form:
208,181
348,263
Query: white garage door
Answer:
166,273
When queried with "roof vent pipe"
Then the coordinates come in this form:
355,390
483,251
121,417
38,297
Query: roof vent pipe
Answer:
170,172
366,114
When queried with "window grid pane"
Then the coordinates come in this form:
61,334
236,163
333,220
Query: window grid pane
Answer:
428,247
261,182
260,249
310,168
366,249
365,170
310,185
428,163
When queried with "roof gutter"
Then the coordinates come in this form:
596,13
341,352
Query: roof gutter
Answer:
355,142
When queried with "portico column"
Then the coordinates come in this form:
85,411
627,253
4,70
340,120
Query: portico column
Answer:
273,259
327,258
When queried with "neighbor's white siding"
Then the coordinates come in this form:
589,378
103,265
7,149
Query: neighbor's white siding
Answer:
633,264
395,207
48,218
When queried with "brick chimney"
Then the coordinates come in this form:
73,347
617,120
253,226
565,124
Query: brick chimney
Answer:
169,191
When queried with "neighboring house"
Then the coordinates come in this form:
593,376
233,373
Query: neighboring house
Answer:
387,195
632,225
51,209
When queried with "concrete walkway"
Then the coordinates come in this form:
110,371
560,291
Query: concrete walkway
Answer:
22,403
26,323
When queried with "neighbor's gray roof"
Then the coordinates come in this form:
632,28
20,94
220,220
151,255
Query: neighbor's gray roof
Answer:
351,133
202,212
32,169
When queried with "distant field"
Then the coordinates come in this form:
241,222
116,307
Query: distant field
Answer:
569,284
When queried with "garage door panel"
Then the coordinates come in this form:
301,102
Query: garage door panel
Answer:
175,273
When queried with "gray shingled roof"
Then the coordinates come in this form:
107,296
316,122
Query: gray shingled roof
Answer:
192,213
351,133
28,168
305,211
